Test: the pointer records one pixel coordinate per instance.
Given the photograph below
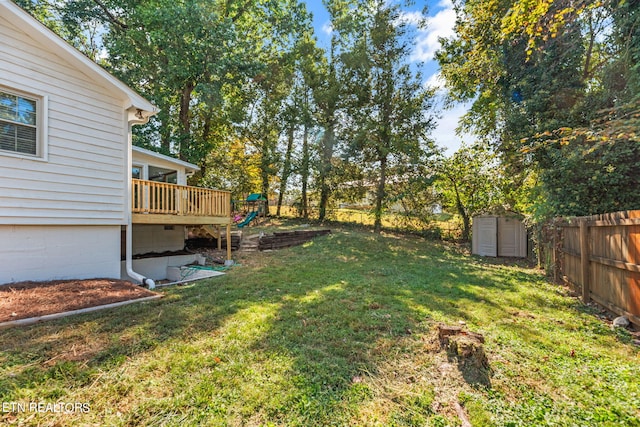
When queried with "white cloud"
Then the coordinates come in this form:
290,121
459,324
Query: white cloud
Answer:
445,132
414,18
435,81
327,28
439,25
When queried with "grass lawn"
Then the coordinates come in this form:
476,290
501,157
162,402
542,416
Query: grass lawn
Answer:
339,331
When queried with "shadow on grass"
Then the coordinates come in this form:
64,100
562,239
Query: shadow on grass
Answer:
341,306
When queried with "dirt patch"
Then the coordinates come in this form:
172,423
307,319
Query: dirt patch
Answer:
33,299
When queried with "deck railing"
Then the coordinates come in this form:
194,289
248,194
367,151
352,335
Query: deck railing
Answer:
150,197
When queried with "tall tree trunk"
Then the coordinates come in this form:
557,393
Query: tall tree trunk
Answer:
589,52
380,194
466,228
305,171
325,169
265,188
165,130
466,221
328,140
386,89
264,175
286,168
199,176
185,119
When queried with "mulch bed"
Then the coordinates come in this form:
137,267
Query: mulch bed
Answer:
33,299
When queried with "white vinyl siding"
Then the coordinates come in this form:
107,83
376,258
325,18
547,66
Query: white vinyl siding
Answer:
81,174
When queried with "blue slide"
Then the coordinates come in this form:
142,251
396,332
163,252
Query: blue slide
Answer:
250,217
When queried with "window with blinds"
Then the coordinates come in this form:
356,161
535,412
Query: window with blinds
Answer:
18,123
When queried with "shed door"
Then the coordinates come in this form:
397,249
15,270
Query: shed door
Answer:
486,236
511,238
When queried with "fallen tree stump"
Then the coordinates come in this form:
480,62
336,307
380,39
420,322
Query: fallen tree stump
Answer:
467,348
446,331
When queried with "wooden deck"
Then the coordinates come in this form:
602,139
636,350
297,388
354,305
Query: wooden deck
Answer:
162,203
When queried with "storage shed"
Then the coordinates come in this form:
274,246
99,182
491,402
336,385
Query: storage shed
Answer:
499,236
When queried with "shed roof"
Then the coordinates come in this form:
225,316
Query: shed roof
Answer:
500,214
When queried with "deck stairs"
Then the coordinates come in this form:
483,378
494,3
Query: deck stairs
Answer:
250,243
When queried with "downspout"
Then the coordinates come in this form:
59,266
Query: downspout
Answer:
129,260
134,118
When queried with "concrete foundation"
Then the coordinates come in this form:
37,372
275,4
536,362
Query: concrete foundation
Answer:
58,252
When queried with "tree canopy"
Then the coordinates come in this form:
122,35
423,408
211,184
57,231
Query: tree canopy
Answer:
246,92
550,83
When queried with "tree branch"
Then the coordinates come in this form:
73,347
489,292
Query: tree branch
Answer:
240,11
112,18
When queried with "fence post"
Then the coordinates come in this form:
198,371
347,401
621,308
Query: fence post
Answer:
584,260
538,248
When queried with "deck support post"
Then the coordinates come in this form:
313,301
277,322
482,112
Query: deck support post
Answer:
228,242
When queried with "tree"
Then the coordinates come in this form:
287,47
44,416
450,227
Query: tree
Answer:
534,68
316,97
305,158
388,106
326,88
623,74
298,112
290,114
189,58
263,125
179,55
593,169
66,19
469,183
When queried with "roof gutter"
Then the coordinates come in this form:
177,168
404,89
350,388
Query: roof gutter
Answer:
135,116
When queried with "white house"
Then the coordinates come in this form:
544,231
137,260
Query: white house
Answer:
68,200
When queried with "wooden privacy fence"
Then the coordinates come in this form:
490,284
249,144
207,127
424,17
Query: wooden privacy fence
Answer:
600,257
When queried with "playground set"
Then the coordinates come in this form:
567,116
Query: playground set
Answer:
251,209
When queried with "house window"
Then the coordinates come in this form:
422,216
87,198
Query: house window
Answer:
19,120
163,175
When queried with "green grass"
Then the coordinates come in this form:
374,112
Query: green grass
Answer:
339,331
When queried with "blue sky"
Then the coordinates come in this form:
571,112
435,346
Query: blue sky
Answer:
441,19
